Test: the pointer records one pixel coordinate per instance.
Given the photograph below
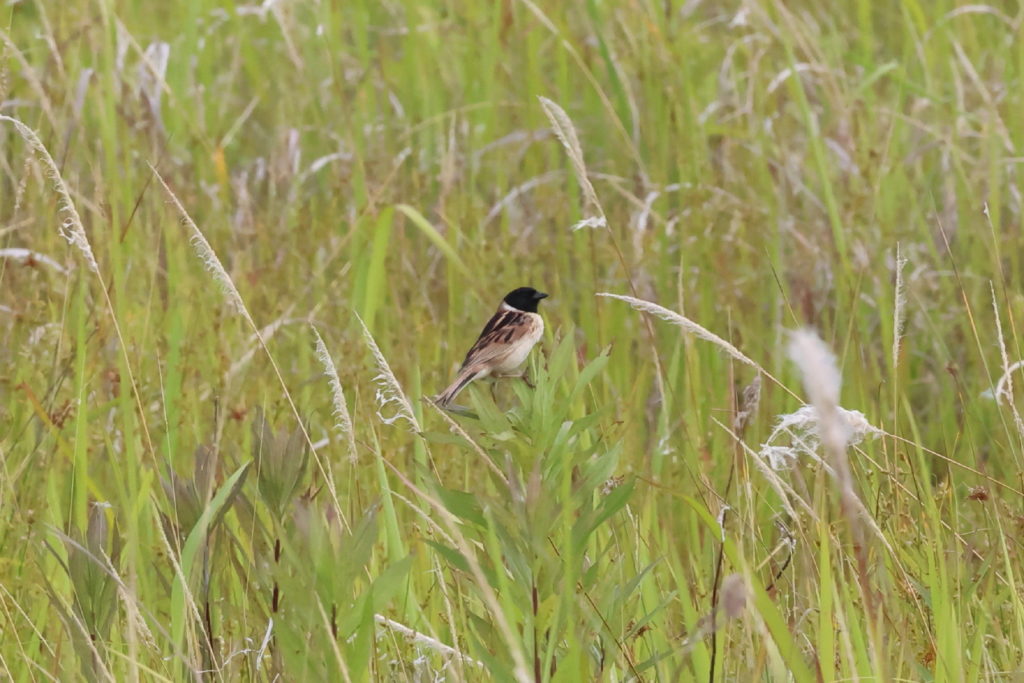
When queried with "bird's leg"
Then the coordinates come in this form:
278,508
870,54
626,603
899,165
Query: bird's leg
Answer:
520,374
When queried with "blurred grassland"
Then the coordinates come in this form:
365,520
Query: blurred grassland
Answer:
178,501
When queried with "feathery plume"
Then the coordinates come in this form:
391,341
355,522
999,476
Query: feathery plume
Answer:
206,253
688,325
822,383
803,428
341,415
71,227
388,388
898,313
566,134
788,497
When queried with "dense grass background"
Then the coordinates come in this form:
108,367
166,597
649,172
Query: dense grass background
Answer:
183,498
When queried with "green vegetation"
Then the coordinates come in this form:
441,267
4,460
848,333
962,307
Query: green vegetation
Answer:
240,243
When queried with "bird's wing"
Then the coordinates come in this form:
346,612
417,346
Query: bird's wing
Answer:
500,334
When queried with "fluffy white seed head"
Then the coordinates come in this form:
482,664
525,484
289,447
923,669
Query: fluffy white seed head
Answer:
803,429
817,367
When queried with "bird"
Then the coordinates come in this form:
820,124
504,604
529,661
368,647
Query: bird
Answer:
506,341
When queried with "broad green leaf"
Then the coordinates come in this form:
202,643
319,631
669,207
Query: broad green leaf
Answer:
462,504
195,541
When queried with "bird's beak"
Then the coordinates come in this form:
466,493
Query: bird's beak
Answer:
540,295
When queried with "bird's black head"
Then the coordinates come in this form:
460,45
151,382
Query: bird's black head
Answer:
524,299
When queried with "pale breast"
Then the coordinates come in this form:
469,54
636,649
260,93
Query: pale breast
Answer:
522,347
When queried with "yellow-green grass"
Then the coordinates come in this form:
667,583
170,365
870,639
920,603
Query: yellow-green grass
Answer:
216,457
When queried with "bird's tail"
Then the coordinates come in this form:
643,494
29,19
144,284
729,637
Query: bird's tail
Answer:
445,398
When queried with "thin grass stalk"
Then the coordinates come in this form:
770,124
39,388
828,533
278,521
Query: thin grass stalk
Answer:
335,650
426,641
449,613
455,428
690,327
746,409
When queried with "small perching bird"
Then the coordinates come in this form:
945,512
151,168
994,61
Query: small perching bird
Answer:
504,344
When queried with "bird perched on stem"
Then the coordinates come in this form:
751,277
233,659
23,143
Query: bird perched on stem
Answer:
504,344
